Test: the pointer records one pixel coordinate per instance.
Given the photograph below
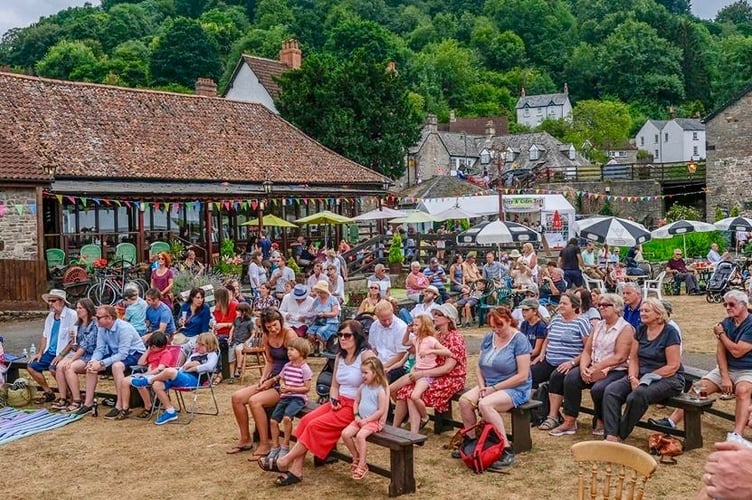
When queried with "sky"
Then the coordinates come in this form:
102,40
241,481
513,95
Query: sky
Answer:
20,13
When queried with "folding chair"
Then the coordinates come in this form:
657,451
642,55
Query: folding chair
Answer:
177,359
204,382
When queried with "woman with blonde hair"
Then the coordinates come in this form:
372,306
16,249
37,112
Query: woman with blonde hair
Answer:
530,259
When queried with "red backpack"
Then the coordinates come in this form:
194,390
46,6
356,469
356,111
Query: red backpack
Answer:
480,452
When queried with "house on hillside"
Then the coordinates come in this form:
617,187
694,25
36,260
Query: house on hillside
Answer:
532,110
254,77
729,155
626,154
673,141
474,126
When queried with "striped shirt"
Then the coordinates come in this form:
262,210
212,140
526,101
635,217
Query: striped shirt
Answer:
566,339
295,376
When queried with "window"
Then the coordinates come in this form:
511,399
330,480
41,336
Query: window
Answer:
656,155
694,136
695,151
665,137
551,111
540,111
533,152
657,139
642,140
527,112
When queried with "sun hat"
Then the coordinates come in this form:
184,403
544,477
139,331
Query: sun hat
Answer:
515,254
449,311
530,304
321,286
432,289
300,291
532,288
55,293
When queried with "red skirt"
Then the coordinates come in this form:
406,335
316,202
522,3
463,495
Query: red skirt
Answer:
320,430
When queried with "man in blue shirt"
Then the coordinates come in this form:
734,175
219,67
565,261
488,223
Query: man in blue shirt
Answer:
632,301
436,274
118,347
158,315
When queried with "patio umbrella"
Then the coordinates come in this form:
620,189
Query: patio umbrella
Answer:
682,227
454,213
613,231
378,214
556,223
416,217
498,232
734,224
270,221
325,217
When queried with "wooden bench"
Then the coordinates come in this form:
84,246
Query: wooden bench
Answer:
520,435
400,442
692,374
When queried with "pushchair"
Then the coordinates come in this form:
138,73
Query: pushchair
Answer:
725,277
324,380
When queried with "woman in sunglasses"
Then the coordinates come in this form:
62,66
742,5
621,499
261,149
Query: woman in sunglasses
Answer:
368,305
319,431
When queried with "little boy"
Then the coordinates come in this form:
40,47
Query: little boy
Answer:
470,299
294,383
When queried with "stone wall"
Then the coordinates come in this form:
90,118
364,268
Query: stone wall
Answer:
644,211
729,158
18,233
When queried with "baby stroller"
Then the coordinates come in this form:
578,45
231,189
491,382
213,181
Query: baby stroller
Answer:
324,380
725,277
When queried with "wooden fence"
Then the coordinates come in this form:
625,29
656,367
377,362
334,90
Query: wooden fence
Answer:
22,283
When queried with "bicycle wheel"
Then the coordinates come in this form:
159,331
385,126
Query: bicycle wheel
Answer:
102,293
143,285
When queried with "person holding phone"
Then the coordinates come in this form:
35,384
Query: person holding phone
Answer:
319,431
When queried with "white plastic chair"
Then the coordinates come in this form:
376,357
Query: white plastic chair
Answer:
655,285
592,282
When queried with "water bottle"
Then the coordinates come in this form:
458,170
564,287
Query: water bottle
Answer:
33,350
25,353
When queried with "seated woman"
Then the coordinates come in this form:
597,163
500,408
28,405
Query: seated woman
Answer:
194,314
448,375
275,337
191,264
416,282
560,353
82,347
504,379
522,275
320,430
265,300
325,316
203,360
456,278
604,360
655,372
369,303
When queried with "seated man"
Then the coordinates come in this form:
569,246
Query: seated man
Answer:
158,315
430,294
385,338
381,278
494,271
734,355
55,342
677,268
590,261
437,276
714,257
294,308
470,269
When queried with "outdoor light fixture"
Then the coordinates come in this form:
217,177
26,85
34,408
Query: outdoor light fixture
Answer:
267,186
50,169
692,168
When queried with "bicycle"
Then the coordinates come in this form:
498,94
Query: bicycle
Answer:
110,283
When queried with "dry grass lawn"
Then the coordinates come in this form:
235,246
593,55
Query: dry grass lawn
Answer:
96,458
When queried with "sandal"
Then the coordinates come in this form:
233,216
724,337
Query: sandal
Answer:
146,413
360,472
287,479
47,397
217,379
354,464
239,448
74,406
548,424
269,464
60,404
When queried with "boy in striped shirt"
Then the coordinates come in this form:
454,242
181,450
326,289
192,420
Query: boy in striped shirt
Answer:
294,383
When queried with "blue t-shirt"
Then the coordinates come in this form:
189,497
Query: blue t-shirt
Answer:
742,333
652,354
632,316
326,307
195,323
499,364
436,277
135,314
566,339
158,315
54,333
534,332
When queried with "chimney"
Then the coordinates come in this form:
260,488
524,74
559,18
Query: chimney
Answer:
522,92
290,55
432,123
391,67
566,88
671,112
452,116
206,87
490,129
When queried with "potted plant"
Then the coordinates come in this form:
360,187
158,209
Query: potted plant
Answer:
395,256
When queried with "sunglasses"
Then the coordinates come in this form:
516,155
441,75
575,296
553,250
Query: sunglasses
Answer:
604,305
342,335
53,301
437,313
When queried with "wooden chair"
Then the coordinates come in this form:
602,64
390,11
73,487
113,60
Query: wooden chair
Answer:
254,358
640,464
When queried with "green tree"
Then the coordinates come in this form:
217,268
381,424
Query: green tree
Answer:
71,61
355,107
271,13
734,69
198,55
191,8
501,51
24,47
375,41
444,72
605,124
224,26
699,58
130,64
125,22
679,212
738,13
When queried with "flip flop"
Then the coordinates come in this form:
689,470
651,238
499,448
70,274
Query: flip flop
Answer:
258,456
287,479
239,449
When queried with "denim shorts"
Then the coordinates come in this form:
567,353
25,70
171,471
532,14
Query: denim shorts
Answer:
518,396
44,363
287,407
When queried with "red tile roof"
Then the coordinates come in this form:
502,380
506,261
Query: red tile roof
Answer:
15,166
98,131
265,70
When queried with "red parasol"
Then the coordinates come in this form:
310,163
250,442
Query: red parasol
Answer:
556,223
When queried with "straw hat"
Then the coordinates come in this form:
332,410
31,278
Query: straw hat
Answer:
56,294
449,311
515,254
321,286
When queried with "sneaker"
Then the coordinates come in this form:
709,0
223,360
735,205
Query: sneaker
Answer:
112,414
562,431
736,438
139,382
662,422
166,416
506,461
599,431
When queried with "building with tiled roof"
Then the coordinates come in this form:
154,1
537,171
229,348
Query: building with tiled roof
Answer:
673,141
255,78
533,109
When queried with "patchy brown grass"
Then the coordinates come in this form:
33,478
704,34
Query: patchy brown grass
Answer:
96,458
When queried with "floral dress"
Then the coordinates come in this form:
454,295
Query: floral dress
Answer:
439,395
259,304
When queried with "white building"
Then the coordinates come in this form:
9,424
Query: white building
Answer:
532,110
673,141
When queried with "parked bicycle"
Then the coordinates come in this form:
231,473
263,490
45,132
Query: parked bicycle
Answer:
110,282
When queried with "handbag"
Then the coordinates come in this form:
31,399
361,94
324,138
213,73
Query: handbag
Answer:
480,452
666,446
21,393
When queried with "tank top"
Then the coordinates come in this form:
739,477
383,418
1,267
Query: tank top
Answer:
604,342
279,358
527,259
348,376
458,273
369,400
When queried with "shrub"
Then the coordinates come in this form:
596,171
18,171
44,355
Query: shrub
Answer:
395,249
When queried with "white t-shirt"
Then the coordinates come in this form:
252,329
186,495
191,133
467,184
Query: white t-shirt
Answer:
387,342
294,311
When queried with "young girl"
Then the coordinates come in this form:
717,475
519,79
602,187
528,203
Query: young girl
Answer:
203,360
240,334
370,409
294,383
156,358
426,347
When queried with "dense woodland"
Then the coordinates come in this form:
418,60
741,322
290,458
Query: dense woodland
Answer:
623,60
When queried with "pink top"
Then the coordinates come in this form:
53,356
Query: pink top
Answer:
604,342
425,361
162,282
419,279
